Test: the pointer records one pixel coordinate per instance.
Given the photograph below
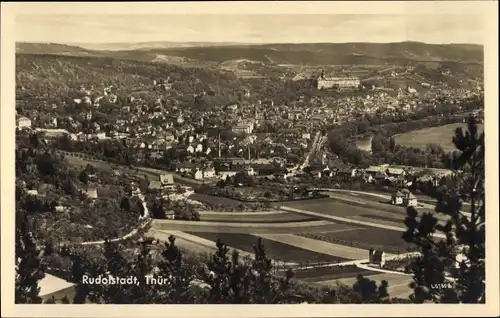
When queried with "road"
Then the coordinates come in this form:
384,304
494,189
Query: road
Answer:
317,141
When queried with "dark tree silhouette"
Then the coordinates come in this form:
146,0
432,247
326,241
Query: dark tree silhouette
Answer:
29,268
458,258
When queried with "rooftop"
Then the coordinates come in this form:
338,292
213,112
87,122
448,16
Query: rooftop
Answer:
51,284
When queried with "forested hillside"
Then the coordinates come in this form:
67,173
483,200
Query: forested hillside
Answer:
313,54
52,77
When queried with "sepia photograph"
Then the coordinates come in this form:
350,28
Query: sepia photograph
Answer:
325,157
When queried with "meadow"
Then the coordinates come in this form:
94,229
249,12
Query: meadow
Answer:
441,135
365,238
275,250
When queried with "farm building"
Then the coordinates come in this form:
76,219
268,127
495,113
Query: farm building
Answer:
167,181
376,257
91,192
23,122
169,214
404,197
155,185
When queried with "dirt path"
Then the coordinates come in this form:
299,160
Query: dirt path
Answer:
243,213
291,225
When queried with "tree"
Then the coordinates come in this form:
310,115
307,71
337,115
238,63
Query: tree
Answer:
457,259
84,177
219,275
392,143
142,292
116,266
177,291
65,300
365,290
29,268
263,289
125,204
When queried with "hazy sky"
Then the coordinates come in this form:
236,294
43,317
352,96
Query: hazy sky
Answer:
447,28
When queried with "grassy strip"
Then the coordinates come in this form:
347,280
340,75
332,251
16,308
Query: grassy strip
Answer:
275,250
380,239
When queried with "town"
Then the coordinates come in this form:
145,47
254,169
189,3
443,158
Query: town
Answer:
317,169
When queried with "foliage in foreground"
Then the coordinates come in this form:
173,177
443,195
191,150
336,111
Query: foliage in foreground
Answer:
458,258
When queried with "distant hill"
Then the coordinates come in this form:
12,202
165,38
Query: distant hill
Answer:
50,48
148,45
403,53
337,53
54,76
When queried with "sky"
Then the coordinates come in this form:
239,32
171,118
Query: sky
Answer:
249,28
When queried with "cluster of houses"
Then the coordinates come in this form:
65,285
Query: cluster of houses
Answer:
402,175
222,168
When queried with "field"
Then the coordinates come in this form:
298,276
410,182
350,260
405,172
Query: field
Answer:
275,250
331,273
272,228
436,135
365,238
211,199
258,218
343,209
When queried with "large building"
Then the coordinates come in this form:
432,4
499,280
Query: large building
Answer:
23,122
337,82
244,127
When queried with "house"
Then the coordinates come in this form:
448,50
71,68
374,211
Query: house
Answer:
32,192
376,257
167,180
209,173
346,173
169,214
379,177
250,171
243,127
155,185
395,172
372,170
91,192
397,198
404,197
60,208
52,286
409,199
169,137
23,122
227,173
198,174
92,177
185,167
199,148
